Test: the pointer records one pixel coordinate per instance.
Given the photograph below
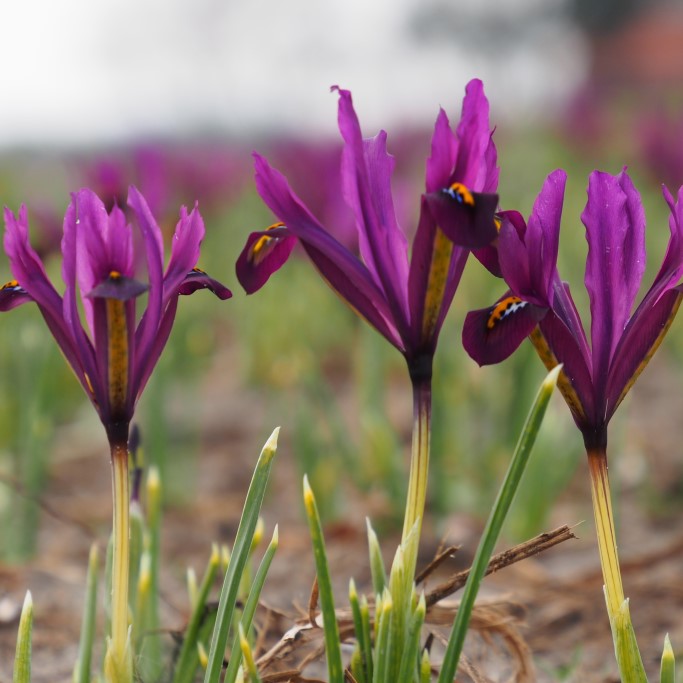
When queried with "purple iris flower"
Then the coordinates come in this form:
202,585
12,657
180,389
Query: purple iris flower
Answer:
114,353
595,376
405,299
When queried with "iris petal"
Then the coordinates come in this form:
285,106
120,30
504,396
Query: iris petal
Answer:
12,294
615,230
197,279
435,270
492,334
264,253
466,217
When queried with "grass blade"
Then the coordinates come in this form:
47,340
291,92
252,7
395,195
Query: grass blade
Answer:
22,659
494,525
361,623
82,670
410,659
379,574
626,648
330,626
248,657
188,658
383,646
239,557
250,606
667,672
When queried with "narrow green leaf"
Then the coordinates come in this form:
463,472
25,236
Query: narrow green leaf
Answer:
108,578
667,672
142,601
192,588
151,659
82,669
188,658
136,534
248,657
330,626
202,655
367,640
379,574
251,604
356,666
383,645
625,647
239,557
494,524
411,646
22,658
409,546
362,636
401,599
425,668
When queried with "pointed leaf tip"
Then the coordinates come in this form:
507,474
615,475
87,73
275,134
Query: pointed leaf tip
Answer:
271,444
309,498
550,381
153,479
667,672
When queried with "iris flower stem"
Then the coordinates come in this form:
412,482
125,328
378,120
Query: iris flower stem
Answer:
419,459
604,526
120,485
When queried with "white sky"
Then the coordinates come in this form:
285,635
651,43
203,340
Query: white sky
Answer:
98,71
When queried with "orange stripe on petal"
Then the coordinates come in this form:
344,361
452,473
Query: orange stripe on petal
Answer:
436,284
503,309
460,193
117,355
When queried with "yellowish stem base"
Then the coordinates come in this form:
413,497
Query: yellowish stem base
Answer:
118,651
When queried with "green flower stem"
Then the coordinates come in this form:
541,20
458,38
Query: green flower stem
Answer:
604,526
626,648
119,667
419,458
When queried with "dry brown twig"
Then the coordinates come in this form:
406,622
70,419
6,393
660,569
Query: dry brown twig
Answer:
522,551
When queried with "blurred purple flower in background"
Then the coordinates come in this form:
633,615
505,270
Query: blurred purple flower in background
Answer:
660,138
167,175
